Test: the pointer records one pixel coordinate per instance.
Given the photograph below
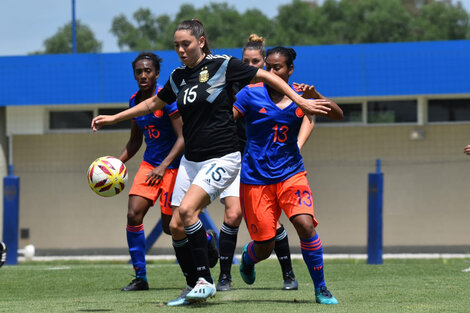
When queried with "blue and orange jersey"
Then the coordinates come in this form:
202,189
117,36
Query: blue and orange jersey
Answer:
158,132
271,153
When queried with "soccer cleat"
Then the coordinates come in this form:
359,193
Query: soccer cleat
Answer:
224,283
3,253
181,299
137,284
248,273
290,283
324,296
212,251
201,291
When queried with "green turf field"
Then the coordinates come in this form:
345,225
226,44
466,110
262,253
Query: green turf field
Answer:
437,285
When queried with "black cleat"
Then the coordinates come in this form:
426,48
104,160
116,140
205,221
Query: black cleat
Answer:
290,283
212,250
224,283
137,284
3,253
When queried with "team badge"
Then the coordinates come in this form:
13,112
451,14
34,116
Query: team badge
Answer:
158,113
299,112
204,75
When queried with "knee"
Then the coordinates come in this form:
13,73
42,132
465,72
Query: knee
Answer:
175,227
304,227
185,212
133,217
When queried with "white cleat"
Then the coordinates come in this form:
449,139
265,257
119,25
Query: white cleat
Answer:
201,291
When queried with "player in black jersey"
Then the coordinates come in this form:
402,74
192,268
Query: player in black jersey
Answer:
211,161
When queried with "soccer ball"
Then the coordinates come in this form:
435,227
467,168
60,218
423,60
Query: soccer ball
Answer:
107,176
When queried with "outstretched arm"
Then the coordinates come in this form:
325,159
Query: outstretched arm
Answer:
309,106
310,92
151,104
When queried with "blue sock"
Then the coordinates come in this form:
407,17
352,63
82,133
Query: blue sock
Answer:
136,243
312,252
250,257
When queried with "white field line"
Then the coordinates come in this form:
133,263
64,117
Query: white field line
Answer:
293,256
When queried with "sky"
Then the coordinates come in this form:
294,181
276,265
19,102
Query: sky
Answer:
25,24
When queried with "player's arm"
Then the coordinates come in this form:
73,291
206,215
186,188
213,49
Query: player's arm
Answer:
156,175
309,92
309,106
305,130
149,105
134,143
236,113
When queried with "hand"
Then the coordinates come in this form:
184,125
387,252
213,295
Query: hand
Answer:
467,150
308,91
315,106
156,175
102,120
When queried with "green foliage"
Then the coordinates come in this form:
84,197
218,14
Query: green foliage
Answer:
304,23
61,42
436,285
297,23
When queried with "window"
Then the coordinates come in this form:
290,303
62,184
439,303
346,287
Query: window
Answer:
449,110
70,119
110,111
352,113
401,111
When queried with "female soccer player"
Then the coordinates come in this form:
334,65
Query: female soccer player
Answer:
273,176
156,176
211,161
254,53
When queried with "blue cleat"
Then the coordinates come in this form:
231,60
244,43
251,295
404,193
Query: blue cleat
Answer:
201,291
247,272
324,296
181,299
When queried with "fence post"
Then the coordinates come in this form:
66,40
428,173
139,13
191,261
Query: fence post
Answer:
375,226
11,194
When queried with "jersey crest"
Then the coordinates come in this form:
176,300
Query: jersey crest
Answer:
204,75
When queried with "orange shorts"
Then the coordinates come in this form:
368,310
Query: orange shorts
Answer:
262,204
164,189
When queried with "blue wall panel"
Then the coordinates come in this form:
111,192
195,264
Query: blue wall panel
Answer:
416,68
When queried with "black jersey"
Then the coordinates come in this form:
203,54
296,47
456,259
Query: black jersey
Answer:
205,100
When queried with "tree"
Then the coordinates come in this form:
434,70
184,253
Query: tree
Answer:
303,22
61,42
150,33
440,20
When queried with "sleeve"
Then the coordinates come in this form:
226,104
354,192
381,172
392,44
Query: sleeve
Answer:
241,102
166,93
240,72
171,108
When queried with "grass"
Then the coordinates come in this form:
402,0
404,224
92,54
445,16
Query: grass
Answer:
437,285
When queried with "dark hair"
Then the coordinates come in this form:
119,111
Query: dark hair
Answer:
147,55
288,53
255,42
197,30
